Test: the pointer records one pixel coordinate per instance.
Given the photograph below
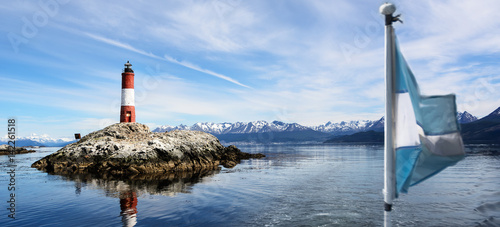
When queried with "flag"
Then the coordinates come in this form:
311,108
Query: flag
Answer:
426,130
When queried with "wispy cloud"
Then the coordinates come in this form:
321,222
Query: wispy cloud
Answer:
199,69
166,57
121,45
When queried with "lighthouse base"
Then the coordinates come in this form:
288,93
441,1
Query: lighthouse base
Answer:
127,114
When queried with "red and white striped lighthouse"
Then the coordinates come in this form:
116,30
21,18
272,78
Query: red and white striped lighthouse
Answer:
127,112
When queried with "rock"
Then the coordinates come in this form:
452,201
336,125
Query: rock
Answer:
4,150
233,156
127,149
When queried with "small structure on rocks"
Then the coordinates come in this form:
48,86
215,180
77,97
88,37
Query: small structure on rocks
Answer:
127,149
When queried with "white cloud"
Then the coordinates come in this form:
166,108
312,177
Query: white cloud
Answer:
206,71
288,53
167,58
122,45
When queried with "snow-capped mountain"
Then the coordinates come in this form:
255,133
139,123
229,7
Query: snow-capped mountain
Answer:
254,132
485,130
340,128
39,140
465,117
377,126
347,128
495,115
168,128
238,127
47,140
496,112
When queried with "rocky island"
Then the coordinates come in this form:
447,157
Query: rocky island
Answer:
128,149
4,150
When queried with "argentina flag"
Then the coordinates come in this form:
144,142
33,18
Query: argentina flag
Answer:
426,131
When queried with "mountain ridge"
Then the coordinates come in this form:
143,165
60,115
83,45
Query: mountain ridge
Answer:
351,127
474,131
465,117
237,127
484,130
39,140
254,131
277,131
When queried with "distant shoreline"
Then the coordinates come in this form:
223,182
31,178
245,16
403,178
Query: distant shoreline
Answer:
4,150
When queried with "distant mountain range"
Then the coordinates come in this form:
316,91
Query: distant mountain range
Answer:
277,131
39,140
254,132
341,128
351,127
483,131
238,127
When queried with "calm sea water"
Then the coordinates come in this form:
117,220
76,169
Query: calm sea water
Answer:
295,185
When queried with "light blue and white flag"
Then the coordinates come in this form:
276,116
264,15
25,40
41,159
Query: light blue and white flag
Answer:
427,133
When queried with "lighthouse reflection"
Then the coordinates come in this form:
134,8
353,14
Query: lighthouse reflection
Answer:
128,190
128,207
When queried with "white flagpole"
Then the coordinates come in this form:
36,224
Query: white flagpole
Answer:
388,9
387,219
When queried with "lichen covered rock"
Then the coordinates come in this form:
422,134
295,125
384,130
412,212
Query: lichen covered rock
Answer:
131,149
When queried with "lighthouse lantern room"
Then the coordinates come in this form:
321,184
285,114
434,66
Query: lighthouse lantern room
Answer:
127,112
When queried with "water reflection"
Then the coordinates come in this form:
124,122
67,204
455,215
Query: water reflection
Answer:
128,207
483,149
128,190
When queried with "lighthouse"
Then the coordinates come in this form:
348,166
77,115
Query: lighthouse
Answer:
127,112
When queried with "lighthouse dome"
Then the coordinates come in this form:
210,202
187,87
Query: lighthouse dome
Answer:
128,68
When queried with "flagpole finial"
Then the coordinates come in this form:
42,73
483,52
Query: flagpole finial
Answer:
387,9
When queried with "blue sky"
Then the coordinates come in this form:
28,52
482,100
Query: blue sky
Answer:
231,60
